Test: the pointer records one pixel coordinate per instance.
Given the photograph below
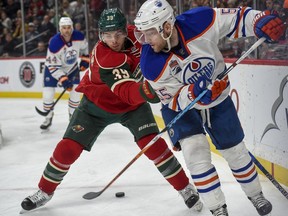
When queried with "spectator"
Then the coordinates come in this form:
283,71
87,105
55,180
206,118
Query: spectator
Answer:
31,37
277,6
9,49
6,21
67,9
96,7
17,33
37,8
78,13
1,45
78,27
11,8
41,49
269,4
48,27
53,19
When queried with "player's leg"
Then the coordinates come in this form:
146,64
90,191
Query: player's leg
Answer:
197,155
74,100
50,83
227,135
187,134
144,128
65,154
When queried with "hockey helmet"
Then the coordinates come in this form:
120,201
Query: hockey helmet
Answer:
111,20
65,21
153,14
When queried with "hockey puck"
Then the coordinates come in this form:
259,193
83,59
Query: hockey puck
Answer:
120,194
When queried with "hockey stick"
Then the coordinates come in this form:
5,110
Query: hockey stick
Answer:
269,176
45,113
93,195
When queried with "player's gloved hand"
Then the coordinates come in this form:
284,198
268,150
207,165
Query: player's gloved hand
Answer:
66,83
217,88
84,63
213,92
268,24
148,93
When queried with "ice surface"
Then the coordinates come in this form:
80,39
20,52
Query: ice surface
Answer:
26,151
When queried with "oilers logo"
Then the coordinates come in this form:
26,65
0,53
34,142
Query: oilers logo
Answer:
70,57
198,67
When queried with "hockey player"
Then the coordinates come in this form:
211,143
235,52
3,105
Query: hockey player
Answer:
180,58
61,67
112,95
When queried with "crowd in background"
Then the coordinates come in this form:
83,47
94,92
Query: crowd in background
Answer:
41,20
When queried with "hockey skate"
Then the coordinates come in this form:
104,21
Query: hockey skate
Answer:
48,121
262,205
34,201
221,211
191,198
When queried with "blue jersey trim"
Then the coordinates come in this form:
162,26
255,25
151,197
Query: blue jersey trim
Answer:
56,43
152,63
188,21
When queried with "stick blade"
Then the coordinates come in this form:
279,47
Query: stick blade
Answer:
91,195
43,113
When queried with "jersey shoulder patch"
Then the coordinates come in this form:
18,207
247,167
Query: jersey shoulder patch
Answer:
56,43
152,64
107,58
189,25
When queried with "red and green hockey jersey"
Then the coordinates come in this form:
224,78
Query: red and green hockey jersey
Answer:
110,83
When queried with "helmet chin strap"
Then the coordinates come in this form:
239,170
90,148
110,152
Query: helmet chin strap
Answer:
168,40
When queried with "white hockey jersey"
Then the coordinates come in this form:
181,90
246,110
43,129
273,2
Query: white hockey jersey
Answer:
199,31
62,57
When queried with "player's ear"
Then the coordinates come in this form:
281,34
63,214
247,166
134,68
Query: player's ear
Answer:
167,28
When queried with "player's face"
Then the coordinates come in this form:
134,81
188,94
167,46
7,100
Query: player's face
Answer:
114,39
153,38
66,32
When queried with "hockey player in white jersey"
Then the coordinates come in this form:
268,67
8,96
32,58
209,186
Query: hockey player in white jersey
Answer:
61,66
180,58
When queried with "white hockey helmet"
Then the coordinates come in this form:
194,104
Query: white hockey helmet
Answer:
153,14
65,21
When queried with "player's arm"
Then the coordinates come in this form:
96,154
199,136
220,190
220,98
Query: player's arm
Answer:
124,85
235,22
245,22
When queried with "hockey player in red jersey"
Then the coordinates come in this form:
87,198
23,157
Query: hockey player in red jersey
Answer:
113,93
180,59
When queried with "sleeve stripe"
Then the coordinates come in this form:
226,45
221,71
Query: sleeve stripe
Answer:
238,24
243,27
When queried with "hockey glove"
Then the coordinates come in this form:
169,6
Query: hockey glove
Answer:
268,25
213,91
148,93
84,63
217,88
66,83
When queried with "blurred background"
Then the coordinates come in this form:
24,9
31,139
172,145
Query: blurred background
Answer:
27,25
